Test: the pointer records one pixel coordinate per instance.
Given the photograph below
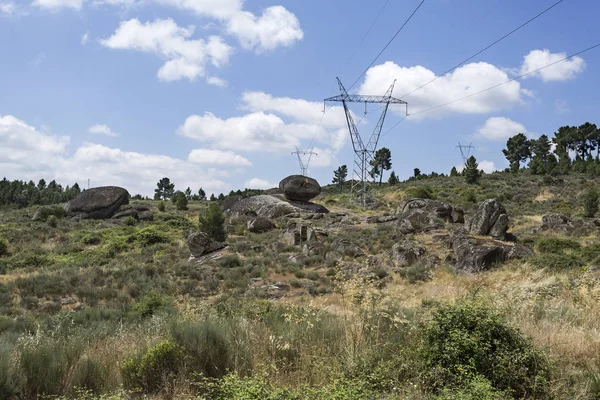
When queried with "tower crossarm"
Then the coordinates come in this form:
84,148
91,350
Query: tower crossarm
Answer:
359,98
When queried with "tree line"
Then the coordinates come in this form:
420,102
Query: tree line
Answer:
540,157
25,194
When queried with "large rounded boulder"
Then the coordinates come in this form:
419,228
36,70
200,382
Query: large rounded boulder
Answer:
299,188
200,244
489,219
97,203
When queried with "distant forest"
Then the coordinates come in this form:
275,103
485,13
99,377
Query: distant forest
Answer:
24,194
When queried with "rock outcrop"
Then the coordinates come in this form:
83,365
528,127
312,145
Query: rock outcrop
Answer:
489,219
260,225
380,219
417,220
474,254
299,188
556,223
405,253
200,244
271,206
97,203
141,213
445,211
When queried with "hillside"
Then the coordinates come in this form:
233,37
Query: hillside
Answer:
372,308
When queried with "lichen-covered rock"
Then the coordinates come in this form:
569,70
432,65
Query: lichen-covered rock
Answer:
417,220
346,247
97,203
200,243
489,219
271,206
260,225
299,188
377,219
445,211
229,201
474,255
556,223
405,253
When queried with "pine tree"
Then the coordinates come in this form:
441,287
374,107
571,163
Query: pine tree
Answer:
202,194
517,150
393,179
212,222
381,162
212,197
180,200
471,171
339,176
590,203
416,172
454,172
188,193
164,189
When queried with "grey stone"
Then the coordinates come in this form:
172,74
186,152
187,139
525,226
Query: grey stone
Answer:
260,225
97,203
299,187
405,253
474,255
376,219
200,244
445,211
417,220
272,206
489,219
346,247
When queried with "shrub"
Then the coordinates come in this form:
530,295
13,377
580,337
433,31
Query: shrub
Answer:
212,222
52,221
129,221
420,192
180,200
468,340
590,203
149,236
555,261
416,273
161,206
3,247
232,261
43,213
156,370
150,304
556,245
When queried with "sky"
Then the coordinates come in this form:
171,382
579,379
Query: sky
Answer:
218,93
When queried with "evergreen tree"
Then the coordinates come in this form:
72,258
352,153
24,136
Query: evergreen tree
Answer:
212,197
540,150
517,150
221,197
471,171
180,200
164,189
188,193
212,222
416,172
41,184
202,194
454,172
393,179
339,176
381,162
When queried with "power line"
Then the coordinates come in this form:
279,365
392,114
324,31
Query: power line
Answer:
505,82
388,43
484,49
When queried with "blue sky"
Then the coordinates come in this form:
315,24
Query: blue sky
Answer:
218,93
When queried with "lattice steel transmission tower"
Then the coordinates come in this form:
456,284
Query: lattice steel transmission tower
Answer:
300,153
465,151
364,154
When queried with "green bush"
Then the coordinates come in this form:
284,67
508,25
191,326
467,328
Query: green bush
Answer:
479,388
556,245
180,201
161,206
43,213
52,221
416,273
232,261
151,235
150,304
130,221
420,192
212,222
553,261
468,340
3,247
156,371
590,203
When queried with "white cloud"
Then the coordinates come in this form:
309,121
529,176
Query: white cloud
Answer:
274,28
487,166
219,9
562,71
500,129
27,153
274,124
217,157
58,4
466,80
84,39
186,58
257,183
8,8
216,81
102,130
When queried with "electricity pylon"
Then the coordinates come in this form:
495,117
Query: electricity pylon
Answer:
300,153
364,154
465,151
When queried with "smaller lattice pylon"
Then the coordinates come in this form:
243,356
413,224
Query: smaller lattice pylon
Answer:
465,150
303,165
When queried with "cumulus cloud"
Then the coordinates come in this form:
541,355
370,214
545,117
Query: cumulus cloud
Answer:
463,81
276,27
273,124
8,8
219,9
102,130
257,183
84,39
58,4
500,129
186,58
562,71
217,157
28,153
487,166
216,81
